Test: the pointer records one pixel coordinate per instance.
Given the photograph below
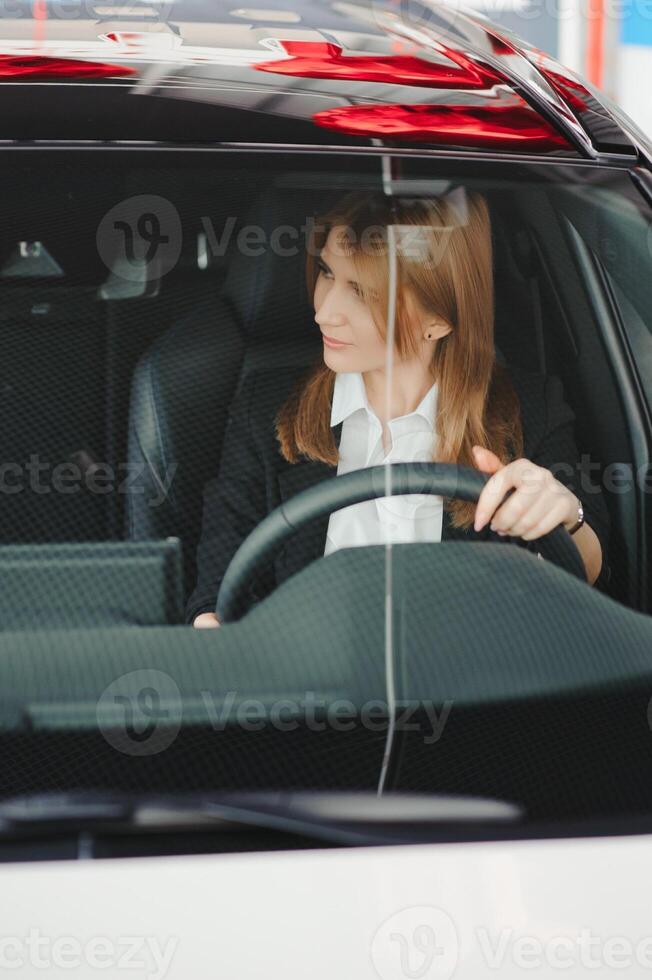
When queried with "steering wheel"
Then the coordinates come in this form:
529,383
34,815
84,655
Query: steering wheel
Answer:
440,479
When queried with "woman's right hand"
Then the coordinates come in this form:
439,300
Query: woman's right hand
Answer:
206,620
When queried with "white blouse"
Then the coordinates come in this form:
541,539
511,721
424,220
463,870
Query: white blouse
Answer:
396,519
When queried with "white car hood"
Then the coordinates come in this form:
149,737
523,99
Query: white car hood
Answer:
473,910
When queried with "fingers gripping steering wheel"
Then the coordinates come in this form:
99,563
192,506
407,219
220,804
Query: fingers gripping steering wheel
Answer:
441,479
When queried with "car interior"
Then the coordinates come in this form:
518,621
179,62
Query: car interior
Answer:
99,371
129,378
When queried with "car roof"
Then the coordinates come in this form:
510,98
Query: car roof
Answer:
423,75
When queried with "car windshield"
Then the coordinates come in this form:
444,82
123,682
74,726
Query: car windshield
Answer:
326,472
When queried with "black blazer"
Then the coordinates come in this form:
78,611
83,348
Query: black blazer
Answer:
254,478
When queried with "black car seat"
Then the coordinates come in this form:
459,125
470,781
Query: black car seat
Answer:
183,385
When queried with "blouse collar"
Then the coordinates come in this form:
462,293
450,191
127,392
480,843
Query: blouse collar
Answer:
350,394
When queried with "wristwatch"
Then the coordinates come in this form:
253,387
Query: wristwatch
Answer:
580,518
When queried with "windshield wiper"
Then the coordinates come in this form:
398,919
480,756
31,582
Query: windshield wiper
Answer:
337,817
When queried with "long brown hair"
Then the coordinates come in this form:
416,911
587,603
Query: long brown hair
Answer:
445,261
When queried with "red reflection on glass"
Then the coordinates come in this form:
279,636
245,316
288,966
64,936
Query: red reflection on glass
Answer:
139,39
500,126
321,59
567,88
123,37
570,90
499,45
126,37
26,67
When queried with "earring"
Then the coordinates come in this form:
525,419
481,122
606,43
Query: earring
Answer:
428,336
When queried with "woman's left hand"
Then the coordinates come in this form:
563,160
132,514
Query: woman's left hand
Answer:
538,504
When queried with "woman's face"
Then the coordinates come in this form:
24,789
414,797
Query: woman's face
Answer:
351,338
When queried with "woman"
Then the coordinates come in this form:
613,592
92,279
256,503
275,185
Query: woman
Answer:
442,395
